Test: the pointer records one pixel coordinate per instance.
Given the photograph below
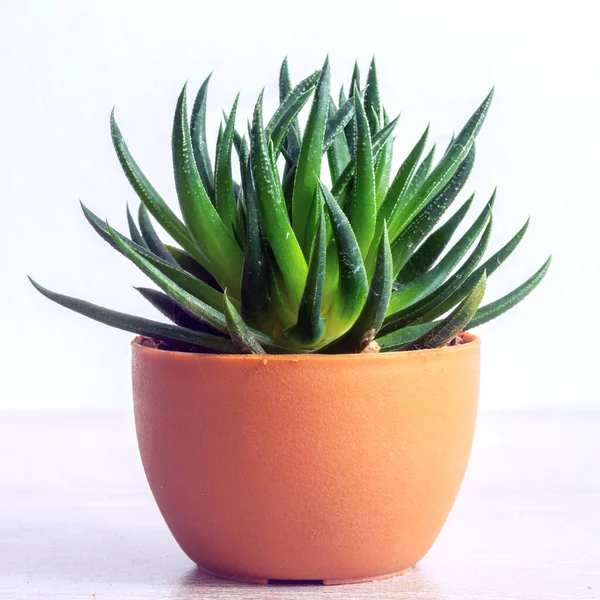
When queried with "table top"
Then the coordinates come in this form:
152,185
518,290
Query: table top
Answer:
77,519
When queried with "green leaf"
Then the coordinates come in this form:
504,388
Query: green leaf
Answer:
473,125
197,307
241,335
362,209
286,125
138,325
198,135
353,286
292,144
368,324
150,197
379,139
283,110
409,208
445,331
400,338
342,99
403,177
274,216
383,168
187,301
151,239
404,246
338,119
432,248
377,142
224,195
498,307
255,302
188,282
489,266
223,256
420,174
170,309
427,308
136,236
443,171
372,99
191,265
388,209
338,155
351,127
310,327
308,169
412,292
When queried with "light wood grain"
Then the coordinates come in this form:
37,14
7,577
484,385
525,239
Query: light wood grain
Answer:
77,518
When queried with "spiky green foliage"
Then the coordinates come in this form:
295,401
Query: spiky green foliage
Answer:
281,262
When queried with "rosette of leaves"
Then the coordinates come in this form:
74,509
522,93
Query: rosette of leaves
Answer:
279,261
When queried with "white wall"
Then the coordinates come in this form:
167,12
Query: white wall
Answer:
66,63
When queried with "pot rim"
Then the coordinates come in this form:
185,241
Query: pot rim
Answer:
471,342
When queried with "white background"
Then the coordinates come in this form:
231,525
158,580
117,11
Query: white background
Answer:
66,63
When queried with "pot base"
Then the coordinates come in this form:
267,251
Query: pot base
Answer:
262,581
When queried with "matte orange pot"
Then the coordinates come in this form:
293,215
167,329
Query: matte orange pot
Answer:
339,468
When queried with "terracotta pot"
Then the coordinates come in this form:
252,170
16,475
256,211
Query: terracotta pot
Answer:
310,467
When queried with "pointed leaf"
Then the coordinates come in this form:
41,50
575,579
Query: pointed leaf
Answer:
426,309
308,169
224,257
292,143
187,301
285,127
224,194
136,236
498,307
188,282
193,305
338,119
255,302
489,266
377,142
310,327
198,135
351,127
353,286
150,197
366,327
274,215
362,209
404,246
241,335
372,99
170,309
191,265
383,168
443,171
412,292
400,338
306,85
420,174
445,331
402,179
138,325
432,248
151,239
338,155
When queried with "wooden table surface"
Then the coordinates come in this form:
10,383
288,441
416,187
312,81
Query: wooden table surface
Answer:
77,519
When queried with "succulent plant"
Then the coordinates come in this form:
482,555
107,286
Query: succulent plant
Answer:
282,262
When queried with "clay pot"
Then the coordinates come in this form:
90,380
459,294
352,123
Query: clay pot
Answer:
338,468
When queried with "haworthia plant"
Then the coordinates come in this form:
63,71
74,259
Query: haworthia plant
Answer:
280,262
